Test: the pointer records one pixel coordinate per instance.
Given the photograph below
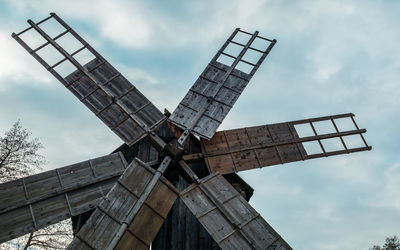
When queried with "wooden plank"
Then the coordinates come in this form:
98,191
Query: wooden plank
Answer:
146,225
227,216
47,184
50,210
88,197
129,241
132,212
214,93
115,100
199,96
41,184
44,201
267,145
161,198
17,222
12,193
236,241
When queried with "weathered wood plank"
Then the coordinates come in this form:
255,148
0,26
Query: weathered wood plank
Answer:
52,196
88,197
214,93
114,100
199,96
261,146
227,216
129,241
131,214
47,184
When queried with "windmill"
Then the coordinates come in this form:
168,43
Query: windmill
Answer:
128,194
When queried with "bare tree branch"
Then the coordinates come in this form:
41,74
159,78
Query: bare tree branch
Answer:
19,154
19,157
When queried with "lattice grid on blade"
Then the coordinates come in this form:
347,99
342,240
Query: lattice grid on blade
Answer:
107,93
228,218
214,93
255,147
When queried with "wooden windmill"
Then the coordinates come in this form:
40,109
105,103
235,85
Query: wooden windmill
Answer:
130,192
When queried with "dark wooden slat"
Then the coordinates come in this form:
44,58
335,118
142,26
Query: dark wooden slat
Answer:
39,200
227,216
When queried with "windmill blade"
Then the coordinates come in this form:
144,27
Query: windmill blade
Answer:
34,202
227,216
211,97
104,90
255,147
131,214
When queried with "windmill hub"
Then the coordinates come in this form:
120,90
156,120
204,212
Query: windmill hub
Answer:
175,150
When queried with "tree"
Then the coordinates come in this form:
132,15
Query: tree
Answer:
19,154
56,236
19,158
391,243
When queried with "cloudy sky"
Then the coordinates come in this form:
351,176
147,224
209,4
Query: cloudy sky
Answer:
331,57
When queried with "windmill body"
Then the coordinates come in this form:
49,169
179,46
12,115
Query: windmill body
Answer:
171,166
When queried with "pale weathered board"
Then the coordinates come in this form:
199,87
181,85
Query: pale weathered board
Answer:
227,216
255,147
131,214
104,90
211,97
30,203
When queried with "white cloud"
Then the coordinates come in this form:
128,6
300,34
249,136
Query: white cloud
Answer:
351,169
17,66
388,193
137,76
128,23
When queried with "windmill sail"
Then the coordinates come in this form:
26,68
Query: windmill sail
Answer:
31,203
227,216
104,90
131,203
211,97
132,213
255,147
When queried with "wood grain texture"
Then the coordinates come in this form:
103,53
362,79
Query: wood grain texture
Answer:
227,216
131,214
201,94
37,201
261,146
254,147
216,90
109,95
